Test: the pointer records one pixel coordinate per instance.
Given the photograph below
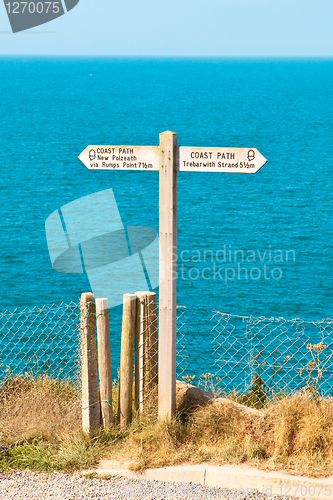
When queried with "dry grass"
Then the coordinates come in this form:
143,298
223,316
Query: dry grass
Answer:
40,426
294,435
38,407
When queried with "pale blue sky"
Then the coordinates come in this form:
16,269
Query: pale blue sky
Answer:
180,28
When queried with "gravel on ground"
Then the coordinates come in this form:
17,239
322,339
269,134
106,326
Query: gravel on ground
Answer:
58,486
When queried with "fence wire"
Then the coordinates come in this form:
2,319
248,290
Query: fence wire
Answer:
40,360
146,359
254,358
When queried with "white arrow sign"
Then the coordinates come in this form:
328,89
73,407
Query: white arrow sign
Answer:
232,160
121,157
242,160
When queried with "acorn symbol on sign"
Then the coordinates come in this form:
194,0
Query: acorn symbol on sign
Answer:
92,154
251,155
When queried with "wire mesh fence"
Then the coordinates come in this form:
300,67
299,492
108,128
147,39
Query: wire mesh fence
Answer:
247,358
254,358
39,359
146,349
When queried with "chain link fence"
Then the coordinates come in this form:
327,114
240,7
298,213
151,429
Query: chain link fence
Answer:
252,359
249,359
40,365
146,354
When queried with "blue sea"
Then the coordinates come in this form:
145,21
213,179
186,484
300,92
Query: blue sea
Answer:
248,245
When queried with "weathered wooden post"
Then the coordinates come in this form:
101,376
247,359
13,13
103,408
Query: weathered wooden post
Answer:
168,275
138,328
104,361
140,339
90,396
126,359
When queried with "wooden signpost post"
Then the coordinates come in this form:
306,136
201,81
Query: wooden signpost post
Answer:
169,159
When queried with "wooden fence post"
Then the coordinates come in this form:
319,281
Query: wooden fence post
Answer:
146,347
104,360
126,359
90,396
137,354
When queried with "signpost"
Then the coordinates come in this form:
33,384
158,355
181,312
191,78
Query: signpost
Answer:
168,159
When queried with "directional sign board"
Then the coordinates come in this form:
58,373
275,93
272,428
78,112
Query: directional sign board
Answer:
200,159
172,159
121,157
235,160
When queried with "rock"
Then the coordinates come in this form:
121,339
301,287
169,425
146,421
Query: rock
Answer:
189,397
